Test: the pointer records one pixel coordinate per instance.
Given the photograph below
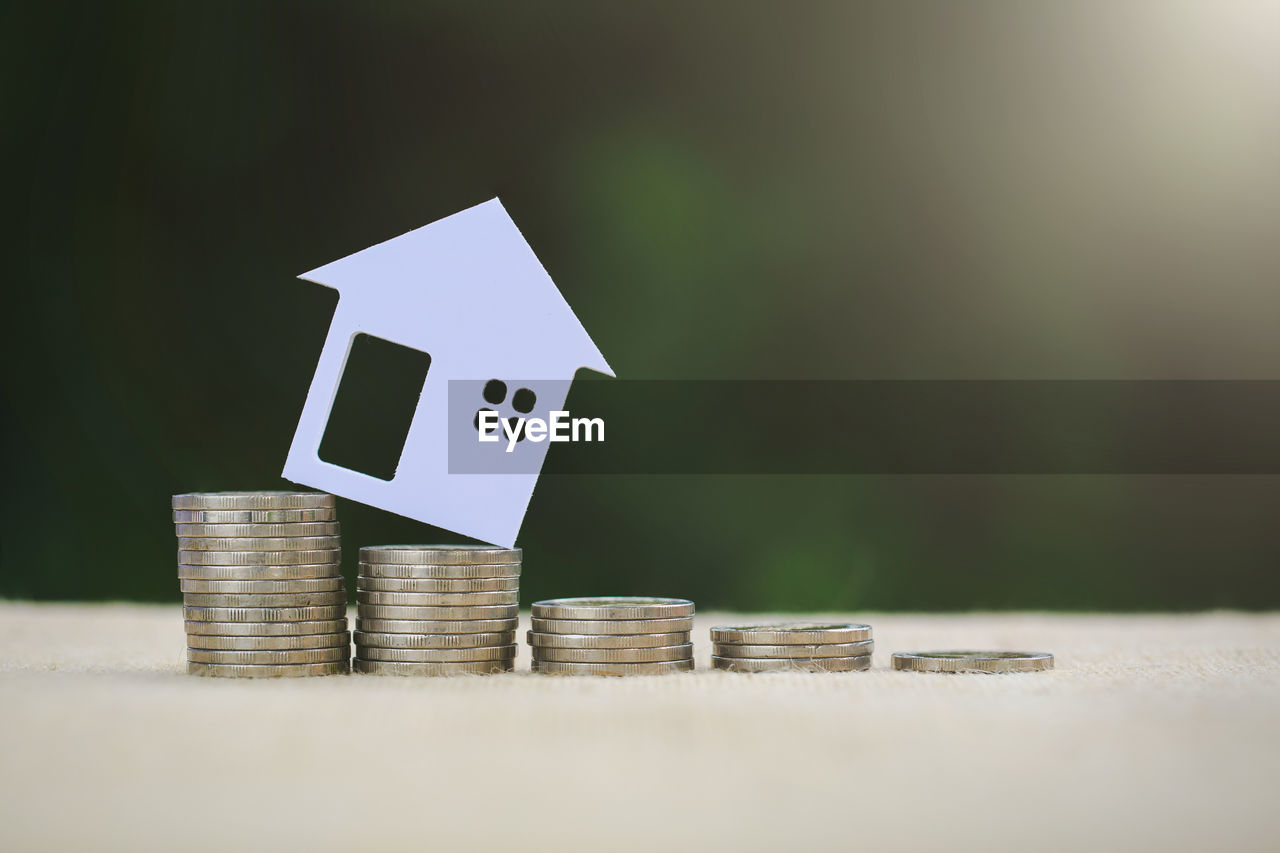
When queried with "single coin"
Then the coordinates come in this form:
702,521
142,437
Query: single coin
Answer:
552,667
263,587
606,641
472,667
252,516
436,655
263,629
444,613
611,626
436,626
439,554
657,653
788,633
437,599
613,607
828,650
259,558
281,599
267,670
303,571
260,545
290,656
431,571
380,640
254,500
254,644
854,664
968,661
374,584
258,531
263,614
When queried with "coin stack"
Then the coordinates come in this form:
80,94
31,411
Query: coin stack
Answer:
802,646
261,581
967,661
437,609
612,636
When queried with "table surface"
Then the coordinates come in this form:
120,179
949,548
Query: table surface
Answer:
1158,731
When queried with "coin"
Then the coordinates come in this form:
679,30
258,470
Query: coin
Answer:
435,626
263,614
263,587
606,641
474,667
264,629
431,571
437,599
611,626
437,584
277,543
303,571
615,607
252,644
828,650
254,500
787,633
657,653
438,554
968,661
259,558
552,667
251,516
279,656
282,599
437,655
365,639
443,613
259,531
852,664
268,670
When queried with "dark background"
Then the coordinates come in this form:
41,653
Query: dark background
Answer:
892,190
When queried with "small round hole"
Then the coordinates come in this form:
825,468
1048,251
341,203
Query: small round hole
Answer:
476,422
495,391
524,400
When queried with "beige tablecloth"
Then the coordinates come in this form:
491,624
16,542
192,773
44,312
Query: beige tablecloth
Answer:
1154,732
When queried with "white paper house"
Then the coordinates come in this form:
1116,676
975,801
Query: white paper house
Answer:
468,291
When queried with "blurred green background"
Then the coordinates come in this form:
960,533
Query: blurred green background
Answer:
721,190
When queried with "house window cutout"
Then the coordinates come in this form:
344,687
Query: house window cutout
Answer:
374,406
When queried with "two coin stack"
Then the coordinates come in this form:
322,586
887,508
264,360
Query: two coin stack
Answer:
802,646
261,581
612,636
437,609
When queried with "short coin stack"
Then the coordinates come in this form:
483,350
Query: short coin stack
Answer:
973,661
793,646
612,636
261,581
437,609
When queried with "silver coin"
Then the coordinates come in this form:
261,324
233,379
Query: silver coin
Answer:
254,644
330,556
437,584
254,500
263,629
263,614
828,650
261,544
281,599
443,613
303,571
267,670
436,655
431,571
474,667
366,639
969,661
853,664
285,656
788,633
439,554
552,667
264,587
258,531
252,516
437,599
606,641
611,626
613,607
436,626
657,653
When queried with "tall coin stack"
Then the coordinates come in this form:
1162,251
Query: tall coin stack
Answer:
437,609
794,646
612,636
261,581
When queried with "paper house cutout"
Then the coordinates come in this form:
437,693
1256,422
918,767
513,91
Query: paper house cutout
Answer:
468,291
